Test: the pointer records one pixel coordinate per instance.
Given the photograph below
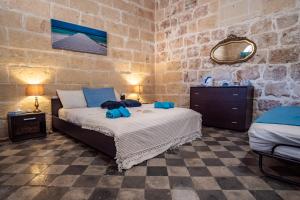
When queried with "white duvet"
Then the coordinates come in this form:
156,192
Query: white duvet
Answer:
262,137
146,133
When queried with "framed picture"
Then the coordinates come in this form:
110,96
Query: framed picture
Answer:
74,37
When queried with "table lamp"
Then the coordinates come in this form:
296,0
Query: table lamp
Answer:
35,90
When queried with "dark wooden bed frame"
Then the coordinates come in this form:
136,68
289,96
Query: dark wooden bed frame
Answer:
94,139
278,157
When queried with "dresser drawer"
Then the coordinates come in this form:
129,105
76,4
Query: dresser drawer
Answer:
26,126
221,94
223,107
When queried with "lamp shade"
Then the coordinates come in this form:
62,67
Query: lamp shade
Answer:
35,90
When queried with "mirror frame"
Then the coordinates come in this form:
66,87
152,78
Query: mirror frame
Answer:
233,39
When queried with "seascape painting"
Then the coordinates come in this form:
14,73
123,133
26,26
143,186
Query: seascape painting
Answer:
73,37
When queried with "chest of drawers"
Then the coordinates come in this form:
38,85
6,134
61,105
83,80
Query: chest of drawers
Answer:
224,107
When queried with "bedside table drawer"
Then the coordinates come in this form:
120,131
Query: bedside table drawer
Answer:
27,126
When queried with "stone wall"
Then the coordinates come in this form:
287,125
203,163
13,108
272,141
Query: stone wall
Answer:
186,30
26,55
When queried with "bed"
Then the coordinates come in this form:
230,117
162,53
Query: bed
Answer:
276,140
146,134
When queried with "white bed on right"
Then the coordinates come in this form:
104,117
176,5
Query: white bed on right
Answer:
263,137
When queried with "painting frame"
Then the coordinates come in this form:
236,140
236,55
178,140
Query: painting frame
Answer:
73,37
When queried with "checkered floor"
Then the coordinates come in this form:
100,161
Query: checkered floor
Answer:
220,166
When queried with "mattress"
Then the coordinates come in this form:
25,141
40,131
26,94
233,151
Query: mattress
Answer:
146,133
263,136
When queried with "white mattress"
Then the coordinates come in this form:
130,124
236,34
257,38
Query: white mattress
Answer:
262,137
145,134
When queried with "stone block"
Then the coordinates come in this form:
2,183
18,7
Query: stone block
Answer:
200,11
31,75
207,23
130,20
134,45
121,54
35,7
261,26
171,77
190,76
239,30
134,33
39,58
147,36
115,41
111,14
176,88
36,24
287,21
194,63
124,6
9,92
277,89
92,21
4,75
267,104
12,56
259,57
248,73
193,51
173,66
234,10
86,6
266,40
295,72
203,37
71,76
65,14
275,73
177,43
28,40
284,55
3,36
10,18
149,4
222,74
218,35
291,36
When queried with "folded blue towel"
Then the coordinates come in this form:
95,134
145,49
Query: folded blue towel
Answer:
131,103
114,113
124,112
164,105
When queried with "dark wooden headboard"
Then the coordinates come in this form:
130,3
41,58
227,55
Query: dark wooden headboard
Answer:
55,106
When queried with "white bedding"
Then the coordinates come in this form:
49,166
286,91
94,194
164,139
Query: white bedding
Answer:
262,137
146,133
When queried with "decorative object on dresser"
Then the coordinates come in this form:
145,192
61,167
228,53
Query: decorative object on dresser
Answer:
26,126
224,107
35,90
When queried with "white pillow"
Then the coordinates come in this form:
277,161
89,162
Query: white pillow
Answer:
72,98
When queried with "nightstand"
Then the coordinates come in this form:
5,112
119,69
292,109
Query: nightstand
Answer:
26,126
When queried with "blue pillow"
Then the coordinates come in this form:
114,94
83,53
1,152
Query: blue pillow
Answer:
96,96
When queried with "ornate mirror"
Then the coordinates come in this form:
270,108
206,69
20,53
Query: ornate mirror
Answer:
233,50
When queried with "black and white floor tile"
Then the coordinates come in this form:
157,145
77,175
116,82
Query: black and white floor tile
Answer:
219,166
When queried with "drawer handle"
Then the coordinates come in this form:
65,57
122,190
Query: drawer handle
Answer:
235,94
234,122
196,105
196,93
234,108
29,119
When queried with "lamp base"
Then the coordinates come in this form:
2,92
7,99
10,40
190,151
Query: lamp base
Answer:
36,104
36,111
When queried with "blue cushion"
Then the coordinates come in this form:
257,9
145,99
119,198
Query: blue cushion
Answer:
96,96
288,115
